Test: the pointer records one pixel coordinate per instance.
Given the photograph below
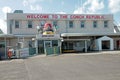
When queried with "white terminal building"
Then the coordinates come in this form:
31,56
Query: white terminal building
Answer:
72,32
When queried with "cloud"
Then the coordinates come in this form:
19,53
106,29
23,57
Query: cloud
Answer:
25,3
6,9
119,24
90,6
3,26
114,6
32,4
80,10
61,12
29,2
95,5
35,7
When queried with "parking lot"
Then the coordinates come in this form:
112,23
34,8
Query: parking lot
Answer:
87,66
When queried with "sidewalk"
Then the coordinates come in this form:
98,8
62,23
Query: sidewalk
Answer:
93,53
111,52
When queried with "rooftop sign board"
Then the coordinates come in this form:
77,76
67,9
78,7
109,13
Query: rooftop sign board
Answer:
63,16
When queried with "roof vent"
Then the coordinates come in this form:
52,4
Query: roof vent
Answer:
18,11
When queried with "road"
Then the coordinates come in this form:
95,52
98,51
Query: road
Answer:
64,67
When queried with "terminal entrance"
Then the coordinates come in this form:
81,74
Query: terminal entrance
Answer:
51,47
48,47
47,41
48,44
40,47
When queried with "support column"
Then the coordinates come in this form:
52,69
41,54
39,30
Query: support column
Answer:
85,45
60,44
18,39
5,47
111,45
36,45
23,42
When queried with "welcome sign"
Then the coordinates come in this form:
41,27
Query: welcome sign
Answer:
63,16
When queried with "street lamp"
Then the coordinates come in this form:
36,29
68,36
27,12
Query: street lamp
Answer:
38,29
36,41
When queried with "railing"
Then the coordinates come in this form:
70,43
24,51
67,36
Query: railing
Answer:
52,50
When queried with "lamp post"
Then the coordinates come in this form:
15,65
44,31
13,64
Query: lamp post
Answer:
38,30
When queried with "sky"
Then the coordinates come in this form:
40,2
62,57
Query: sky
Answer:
60,7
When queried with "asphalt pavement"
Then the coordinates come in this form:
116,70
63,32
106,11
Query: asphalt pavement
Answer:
88,66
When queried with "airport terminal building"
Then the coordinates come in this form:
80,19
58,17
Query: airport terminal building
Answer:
71,32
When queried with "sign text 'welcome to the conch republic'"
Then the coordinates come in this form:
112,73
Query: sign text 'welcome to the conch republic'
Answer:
63,16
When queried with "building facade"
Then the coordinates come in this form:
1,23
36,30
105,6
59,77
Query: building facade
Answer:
78,32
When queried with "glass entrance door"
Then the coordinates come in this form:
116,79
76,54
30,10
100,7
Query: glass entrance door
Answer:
47,44
48,47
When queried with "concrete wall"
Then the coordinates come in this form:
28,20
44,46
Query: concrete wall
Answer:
13,42
90,29
62,23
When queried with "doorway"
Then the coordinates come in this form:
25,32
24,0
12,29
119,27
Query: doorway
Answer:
106,45
48,50
2,50
118,44
47,44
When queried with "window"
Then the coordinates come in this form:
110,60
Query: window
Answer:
54,23
29,24
70,24
42,23
2,45
16,24
82,24
94,24
105,23
55,43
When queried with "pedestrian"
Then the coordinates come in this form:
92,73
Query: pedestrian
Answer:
9,54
